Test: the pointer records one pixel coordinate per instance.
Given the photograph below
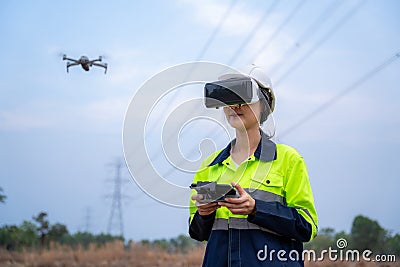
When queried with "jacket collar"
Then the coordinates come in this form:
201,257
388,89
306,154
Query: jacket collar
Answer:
266,150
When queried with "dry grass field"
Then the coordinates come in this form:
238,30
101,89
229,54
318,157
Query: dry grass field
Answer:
137,255
111,254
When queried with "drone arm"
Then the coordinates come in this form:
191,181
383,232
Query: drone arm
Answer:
69,64
105,66
70,59
95,60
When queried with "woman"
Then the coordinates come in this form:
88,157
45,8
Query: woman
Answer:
274,213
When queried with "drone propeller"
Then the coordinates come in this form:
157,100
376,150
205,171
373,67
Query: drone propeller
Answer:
61,55
103,57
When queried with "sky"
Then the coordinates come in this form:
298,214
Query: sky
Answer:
61,133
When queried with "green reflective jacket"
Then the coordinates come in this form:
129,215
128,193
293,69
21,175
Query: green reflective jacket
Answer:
275,173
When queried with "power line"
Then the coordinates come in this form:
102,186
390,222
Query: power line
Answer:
256,27
201,54
322,18
344,92
216,30
193,150
278,29
246,41
243,45
321,41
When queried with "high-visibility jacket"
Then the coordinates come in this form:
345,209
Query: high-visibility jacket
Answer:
276,177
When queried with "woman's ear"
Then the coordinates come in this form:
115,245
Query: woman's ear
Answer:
265,110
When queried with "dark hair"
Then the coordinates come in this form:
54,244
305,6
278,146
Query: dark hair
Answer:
265,96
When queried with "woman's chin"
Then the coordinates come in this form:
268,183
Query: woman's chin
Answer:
236,123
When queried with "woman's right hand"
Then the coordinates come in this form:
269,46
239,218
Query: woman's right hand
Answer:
205,209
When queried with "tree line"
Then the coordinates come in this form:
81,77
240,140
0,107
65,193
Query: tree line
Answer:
39,233
365,234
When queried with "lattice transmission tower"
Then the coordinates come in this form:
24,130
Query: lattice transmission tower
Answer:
116,219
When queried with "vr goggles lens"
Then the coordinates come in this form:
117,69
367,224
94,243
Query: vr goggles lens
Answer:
231,92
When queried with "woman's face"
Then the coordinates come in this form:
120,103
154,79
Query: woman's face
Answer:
243,117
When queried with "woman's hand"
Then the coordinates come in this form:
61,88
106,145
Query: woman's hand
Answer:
205,208
244,205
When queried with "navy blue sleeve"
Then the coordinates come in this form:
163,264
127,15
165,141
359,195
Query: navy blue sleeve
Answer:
201,226
283,220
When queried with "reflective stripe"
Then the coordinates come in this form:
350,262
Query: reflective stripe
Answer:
220,224
265,196
238,223
309,215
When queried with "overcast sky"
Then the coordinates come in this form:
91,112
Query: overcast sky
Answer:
61,133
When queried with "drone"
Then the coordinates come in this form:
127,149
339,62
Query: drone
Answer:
85,63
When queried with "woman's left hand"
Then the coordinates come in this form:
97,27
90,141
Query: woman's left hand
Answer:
244,205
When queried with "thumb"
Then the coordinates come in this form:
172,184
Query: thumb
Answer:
239,189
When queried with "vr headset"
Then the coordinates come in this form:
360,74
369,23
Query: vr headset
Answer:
230,92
